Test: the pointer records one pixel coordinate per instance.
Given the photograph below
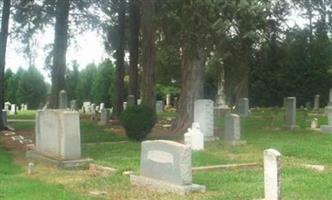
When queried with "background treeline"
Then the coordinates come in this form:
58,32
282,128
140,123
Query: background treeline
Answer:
93,83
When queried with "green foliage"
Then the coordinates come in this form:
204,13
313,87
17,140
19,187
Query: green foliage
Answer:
32,89
163,90
25,86
138,121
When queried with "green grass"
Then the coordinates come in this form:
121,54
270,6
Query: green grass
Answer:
262,130
14,186
29,114
92,133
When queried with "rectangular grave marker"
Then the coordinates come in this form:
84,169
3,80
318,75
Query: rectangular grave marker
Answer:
166,167
204,115
272,174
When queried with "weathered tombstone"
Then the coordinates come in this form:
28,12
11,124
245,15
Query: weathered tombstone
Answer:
97,108
93,109
175,102
103,117
58,139
203,115
13,109
308,105
194,137
328,128
87,107
7,106
73,105
168,101
166,167
316,102
272,174
63,100
159,106
314,123
330,98
101,106
139,101
291,112
124,105
243,107
232,130
131,100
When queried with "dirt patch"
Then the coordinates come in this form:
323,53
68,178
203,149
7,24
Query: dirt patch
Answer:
14,145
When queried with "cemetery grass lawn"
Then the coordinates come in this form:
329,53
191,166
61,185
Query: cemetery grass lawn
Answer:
262,130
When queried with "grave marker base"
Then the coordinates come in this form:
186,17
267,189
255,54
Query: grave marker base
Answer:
165,187
63,164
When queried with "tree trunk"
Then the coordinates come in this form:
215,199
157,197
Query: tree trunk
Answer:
59,51
192,69
148,57
134,20
3,47
118,104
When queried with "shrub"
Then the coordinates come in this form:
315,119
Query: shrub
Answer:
138,121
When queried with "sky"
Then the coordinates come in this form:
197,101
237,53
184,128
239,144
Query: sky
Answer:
87,48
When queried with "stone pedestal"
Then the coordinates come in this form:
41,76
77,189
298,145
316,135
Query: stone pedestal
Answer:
221,111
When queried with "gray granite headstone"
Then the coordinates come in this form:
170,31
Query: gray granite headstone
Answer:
103,116
291,112
4,118
272,174
204,115
63,99
232,130
243,107
166,166
308,105
131,100
159,106
330,98
316,102
328,128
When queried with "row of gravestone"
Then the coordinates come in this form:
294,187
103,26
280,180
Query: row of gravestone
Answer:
13,108
204,114
316,101
58,142
290,106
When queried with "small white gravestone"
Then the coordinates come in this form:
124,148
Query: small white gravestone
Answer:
272,174
124,105
13,109
204,115
314,123
194,137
